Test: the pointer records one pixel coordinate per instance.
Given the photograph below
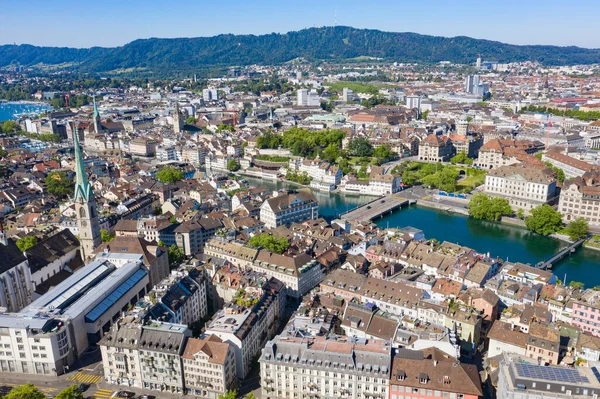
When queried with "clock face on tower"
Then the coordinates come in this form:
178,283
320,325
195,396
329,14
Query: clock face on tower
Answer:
83,223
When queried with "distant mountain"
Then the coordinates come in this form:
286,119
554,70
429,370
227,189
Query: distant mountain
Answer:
329,43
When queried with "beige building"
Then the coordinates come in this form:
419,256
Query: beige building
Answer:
435,148
524,188
208,367
580,197
285,209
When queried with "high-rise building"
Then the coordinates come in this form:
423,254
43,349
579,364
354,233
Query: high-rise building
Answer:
478,62
413,102
347,94
471,82
177,119
302,99
85,206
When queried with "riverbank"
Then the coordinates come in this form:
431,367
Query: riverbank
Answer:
443,207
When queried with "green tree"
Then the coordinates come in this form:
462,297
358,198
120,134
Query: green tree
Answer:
409,177
331,153
175,255
173,220
577,229
169,174
544,220
26,242
383,152
231,394
461,158
71,392
250,396
3,153
273,244
576,285
10,127
424,115
191,121
560,174
484,207
360,147
27,391
520,213
59,184
106,236
225,127
233,165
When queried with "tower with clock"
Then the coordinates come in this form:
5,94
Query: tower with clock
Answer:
85,206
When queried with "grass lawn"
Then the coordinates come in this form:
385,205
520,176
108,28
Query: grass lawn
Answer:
470,182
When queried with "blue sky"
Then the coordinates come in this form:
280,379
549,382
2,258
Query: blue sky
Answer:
77,23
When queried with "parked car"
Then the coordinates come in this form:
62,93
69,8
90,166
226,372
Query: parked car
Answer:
83,387
125,394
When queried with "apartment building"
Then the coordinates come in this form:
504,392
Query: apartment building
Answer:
498,152
120,354
191,235
248,328
300,273
571,166
328,368
16,282
519,379
208,367
181,299
435,148
580,198
323,174
435,376
543,344
377,185
285,209
524,187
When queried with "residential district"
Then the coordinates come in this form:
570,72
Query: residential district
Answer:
146,250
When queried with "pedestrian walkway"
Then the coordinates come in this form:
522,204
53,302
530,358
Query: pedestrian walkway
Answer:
85,378
103,393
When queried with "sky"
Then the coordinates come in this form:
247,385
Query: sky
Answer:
110,23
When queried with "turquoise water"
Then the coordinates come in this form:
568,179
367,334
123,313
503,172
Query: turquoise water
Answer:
14,110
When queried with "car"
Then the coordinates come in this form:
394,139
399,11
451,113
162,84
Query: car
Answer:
125,394
83,387
146,397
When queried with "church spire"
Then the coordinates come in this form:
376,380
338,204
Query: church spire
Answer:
83,189
96,112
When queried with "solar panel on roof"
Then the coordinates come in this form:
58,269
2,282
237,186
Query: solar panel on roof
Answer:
117,294
550,373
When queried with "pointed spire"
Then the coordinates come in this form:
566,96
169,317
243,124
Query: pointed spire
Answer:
96,112
83,189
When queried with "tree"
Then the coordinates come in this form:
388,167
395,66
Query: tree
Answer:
3,153
576,285
175,254
225,127
383,152
231,394
520,213
233,165
10,127
409,178
360,147
59,184
250,396
461,158
273,244
106,236
169,174
544,220
191,121
71,392
173,220
331,153
27,391
26,242
482,206
577,229
424,115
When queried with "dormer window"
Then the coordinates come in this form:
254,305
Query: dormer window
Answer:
423,378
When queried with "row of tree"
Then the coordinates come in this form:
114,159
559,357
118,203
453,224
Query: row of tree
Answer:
30,391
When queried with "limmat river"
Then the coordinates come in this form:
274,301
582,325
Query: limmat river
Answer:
14,110
505,241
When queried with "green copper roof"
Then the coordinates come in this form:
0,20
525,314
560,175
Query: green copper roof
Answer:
82,185
96,112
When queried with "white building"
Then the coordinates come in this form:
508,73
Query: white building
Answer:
285,209
524,188
327,368
322,173
16,283
307,98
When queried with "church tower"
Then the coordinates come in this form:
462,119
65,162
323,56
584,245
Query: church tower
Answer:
97,123
177,120
85,206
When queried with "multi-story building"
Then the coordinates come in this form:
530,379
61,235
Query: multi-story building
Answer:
306,98
208,367
160,348
300,273
586,314
327,368
543,344
323,174
496,152
437,376
16,282
378,185
524,187
285,209
182,299
248,328
435,148
120,354
191,235
518,379
571,166
580,198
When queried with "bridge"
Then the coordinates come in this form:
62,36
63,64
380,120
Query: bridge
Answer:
375,208
560,255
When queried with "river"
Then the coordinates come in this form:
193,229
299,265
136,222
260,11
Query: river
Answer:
14,110
505,241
